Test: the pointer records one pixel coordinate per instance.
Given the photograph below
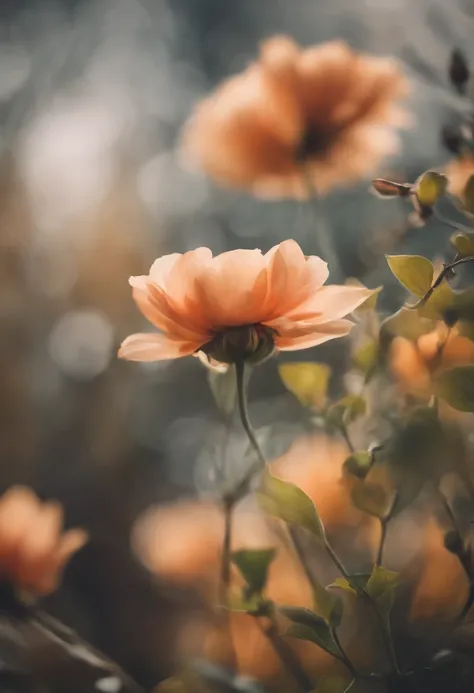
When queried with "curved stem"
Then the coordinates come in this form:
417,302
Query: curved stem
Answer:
442,275
242,487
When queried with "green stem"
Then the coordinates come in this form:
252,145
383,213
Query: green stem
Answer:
442,275
383,528
384,627
287,656
344,658
242,487
323,237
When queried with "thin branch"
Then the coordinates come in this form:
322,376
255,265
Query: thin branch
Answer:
383,528
447,269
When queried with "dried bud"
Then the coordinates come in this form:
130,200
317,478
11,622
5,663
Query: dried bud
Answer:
452,138
250,343
450,317
458,70
453,542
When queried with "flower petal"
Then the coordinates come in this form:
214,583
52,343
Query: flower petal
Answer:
291,277
331,303
154,347
233,289
153,303
319,335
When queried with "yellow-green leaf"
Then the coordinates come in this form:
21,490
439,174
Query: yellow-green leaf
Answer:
405,323
366,356
346,410
468,195
333,684
358,464
307,381
413,271
456,387
429,187
320,636
253,565
463,242
289,503
381,580
371,498
466,329
326,605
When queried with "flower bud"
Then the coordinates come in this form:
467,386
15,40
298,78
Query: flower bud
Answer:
250,343
458,70
453,542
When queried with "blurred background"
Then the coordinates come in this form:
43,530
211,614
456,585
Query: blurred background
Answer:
93,95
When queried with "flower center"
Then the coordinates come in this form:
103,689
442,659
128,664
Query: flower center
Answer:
313,142
249,343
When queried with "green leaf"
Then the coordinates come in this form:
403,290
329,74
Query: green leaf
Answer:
382,580
463,242
371,498
366,356
327,605
463,304
289,503
468,195
358,464
346,410
466,329
381,588
413,271
456,387
429,187
307,381
357,581
304,617
333,684
405,323
442,298
319,635
253,565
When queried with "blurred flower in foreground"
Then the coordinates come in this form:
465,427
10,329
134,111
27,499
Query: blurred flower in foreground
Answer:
458,172
325,108
239,305
414,363
33,550
442,585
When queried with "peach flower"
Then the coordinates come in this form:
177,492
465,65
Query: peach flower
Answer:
33,550
326,108
240,304
414,363
458,172
442,586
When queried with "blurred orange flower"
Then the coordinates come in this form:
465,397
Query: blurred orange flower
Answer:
326,108
414,363
239,304
458,172
442,586
33,549
182,543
